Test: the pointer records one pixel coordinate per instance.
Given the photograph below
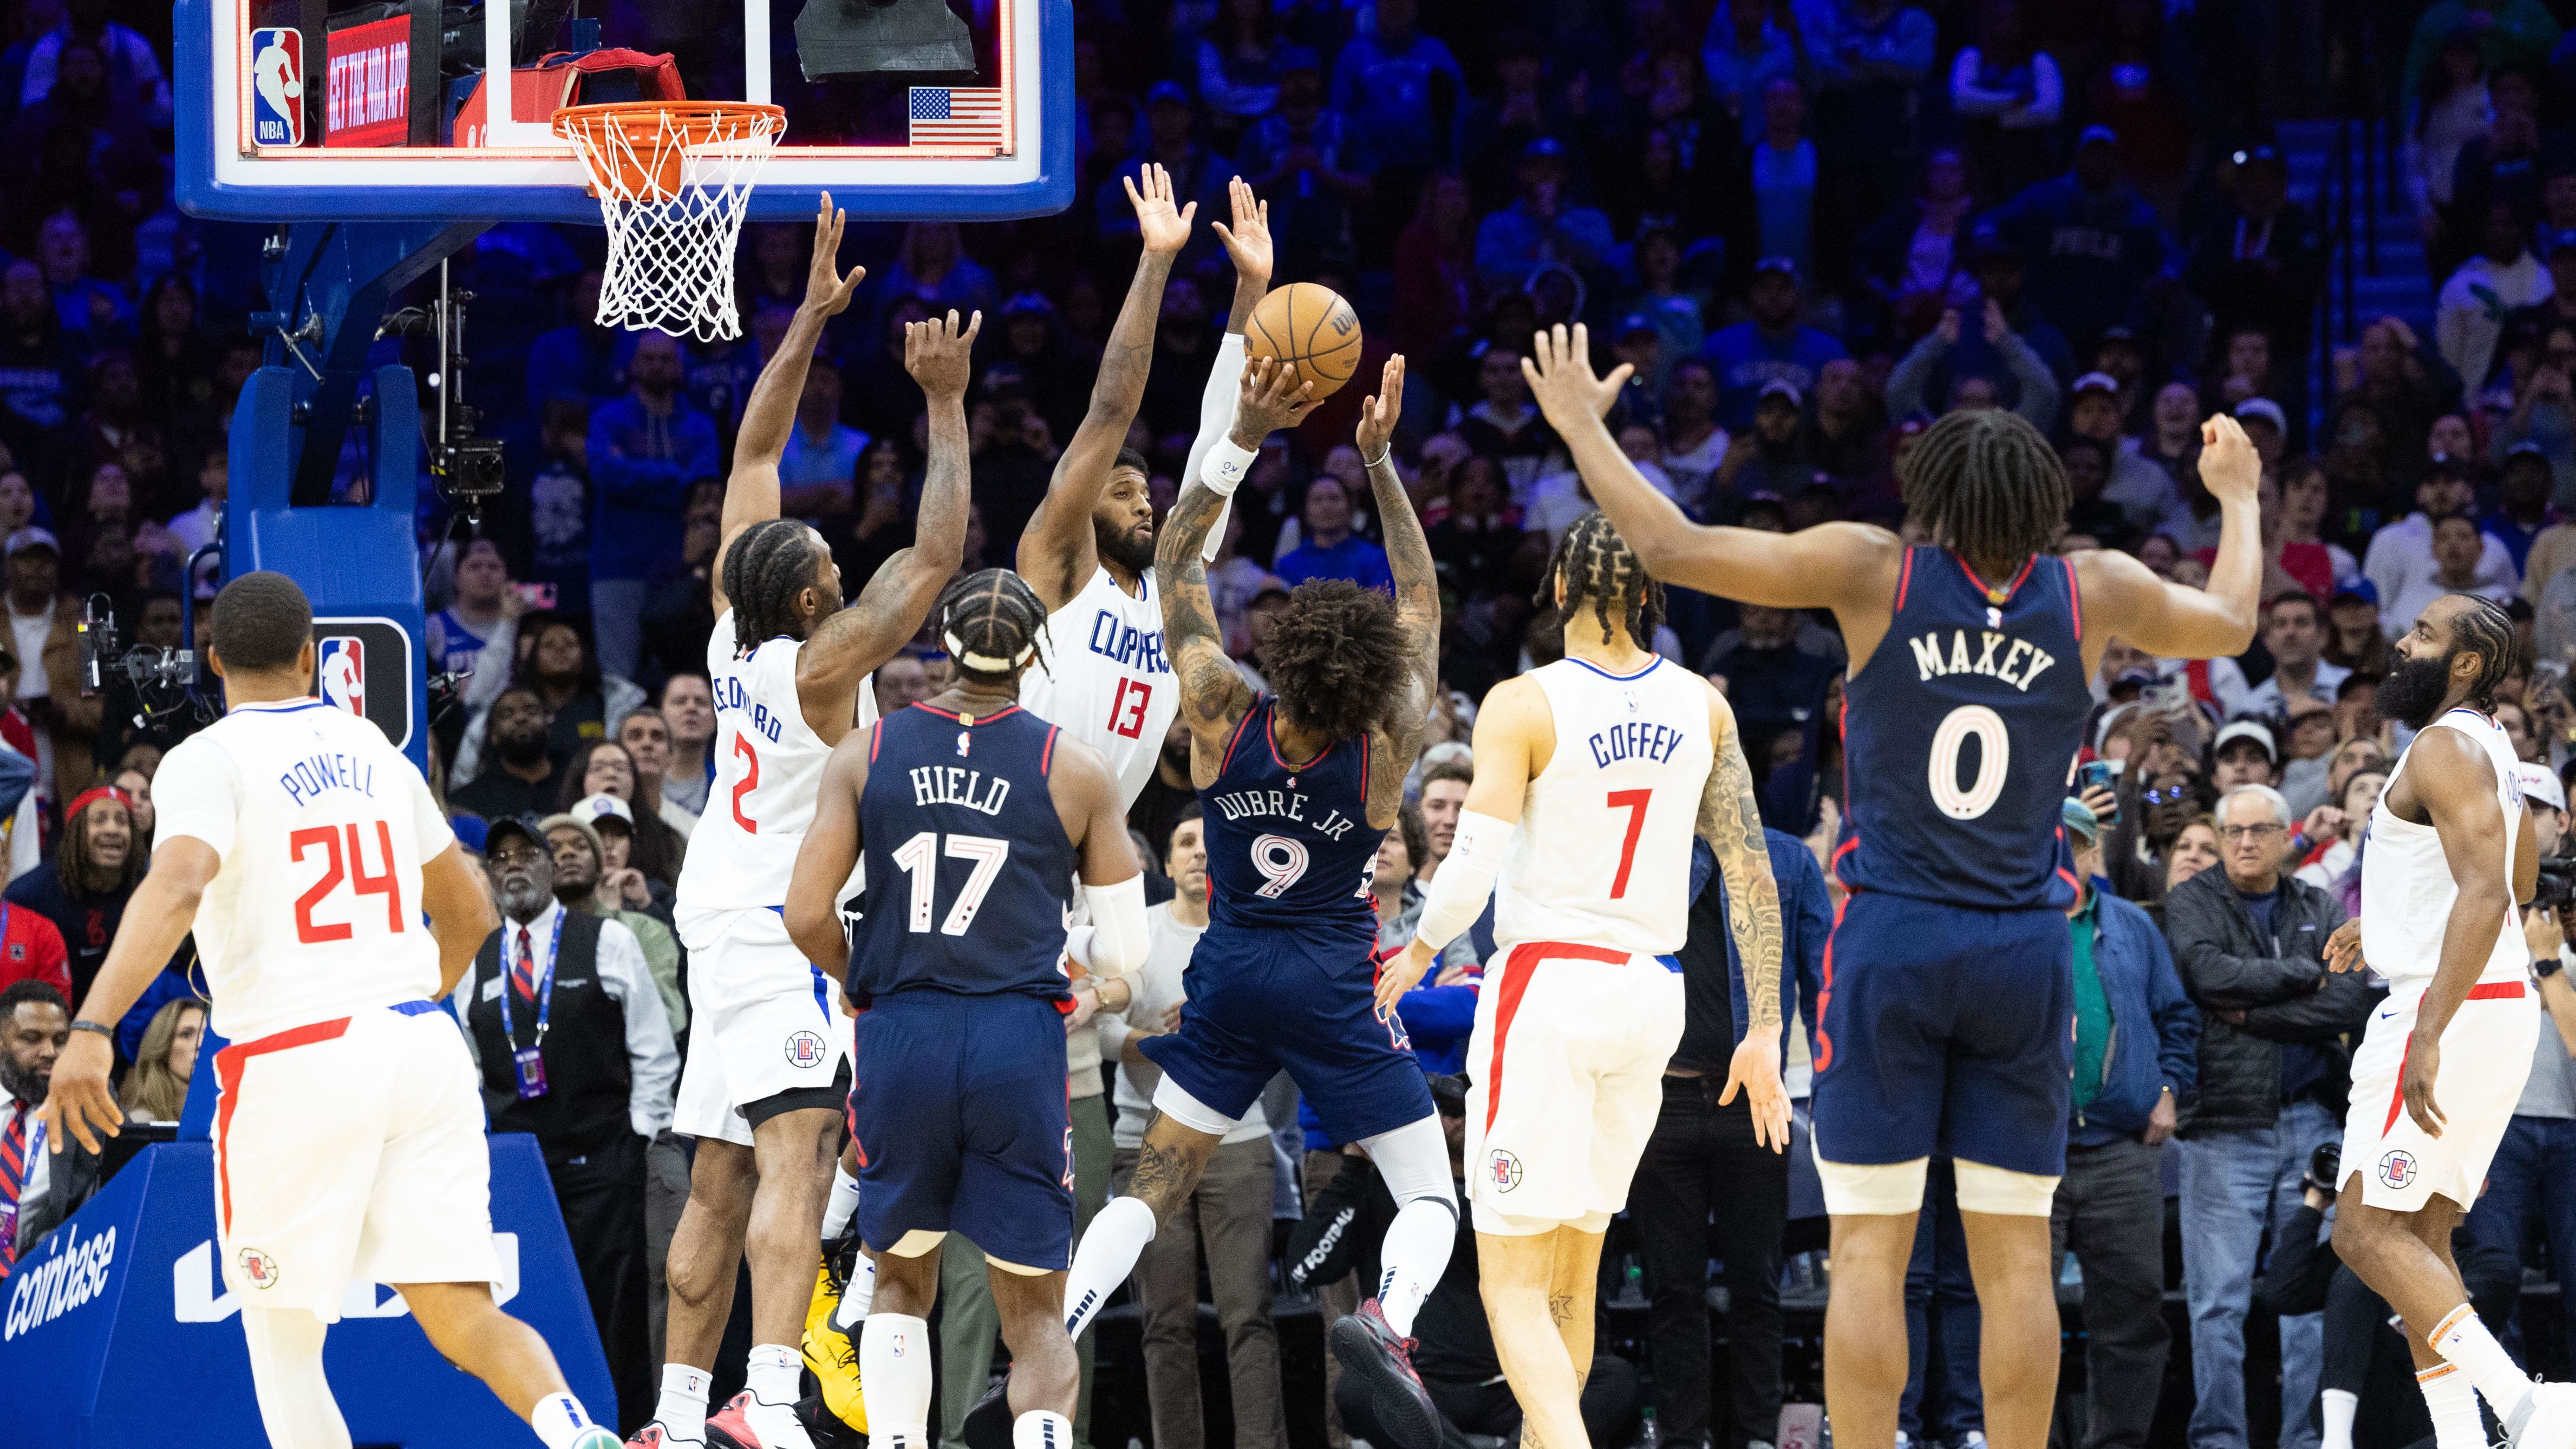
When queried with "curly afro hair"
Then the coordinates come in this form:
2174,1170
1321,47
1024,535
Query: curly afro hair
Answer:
1336,651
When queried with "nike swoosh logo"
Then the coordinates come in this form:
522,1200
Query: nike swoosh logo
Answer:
2385,1015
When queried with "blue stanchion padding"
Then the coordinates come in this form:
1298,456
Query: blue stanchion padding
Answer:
118,1326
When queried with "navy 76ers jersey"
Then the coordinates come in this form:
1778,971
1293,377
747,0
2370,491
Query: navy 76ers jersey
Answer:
1959,735
969,870
1290,846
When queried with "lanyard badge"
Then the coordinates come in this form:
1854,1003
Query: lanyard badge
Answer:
528,1063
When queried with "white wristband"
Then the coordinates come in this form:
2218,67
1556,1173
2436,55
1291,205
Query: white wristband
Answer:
1226,464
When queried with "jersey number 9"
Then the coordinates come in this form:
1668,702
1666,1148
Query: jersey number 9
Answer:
336,868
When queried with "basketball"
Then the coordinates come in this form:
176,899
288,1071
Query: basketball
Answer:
1312,329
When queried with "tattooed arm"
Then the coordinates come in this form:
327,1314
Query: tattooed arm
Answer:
1731,825
1417,600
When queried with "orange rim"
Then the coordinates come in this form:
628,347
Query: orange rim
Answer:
720,119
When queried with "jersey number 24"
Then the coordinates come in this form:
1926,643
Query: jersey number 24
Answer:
350,867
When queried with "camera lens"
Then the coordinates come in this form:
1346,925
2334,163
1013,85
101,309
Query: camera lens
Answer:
2325,1166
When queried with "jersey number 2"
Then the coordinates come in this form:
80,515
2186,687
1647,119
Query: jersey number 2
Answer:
919,858
326,838
1127,711
750,781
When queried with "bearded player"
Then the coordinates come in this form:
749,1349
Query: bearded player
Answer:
2452,851
1948,978
768,1063
1592,776
303,849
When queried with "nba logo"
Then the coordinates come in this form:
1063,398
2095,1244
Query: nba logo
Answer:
277,87
343,670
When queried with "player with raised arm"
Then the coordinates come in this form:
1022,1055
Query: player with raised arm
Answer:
971,814
1592,776
1947,984
303,849
767,1067
1299,787
2435,1081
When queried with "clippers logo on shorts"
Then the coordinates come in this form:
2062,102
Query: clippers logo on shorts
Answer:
805,1049
258,1269
1504,1169
341,664
2397,1169
277,87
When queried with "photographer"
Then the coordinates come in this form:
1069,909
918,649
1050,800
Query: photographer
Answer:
2536,1164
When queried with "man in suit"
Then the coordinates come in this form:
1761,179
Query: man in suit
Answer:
38,1189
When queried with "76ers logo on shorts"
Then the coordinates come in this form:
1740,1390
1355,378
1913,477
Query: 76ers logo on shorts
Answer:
1504,1170
342,666
2397,1169
258,1269
805,1049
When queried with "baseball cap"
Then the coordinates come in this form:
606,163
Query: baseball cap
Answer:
27,538
523,825
1005,374
2540,783
591,809
2096,382
568,821
2527,448
2120,332
1167,91
2266,409
1019,302
2356,587
1785,266
1544,146
1779,387
2092,134
1636,322
2246,729
2554,242
2080,820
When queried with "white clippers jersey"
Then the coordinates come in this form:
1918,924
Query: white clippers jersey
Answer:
1603,853
769,770
1104,679
322,826
2406,885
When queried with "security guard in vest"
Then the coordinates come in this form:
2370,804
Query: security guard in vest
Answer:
576,1051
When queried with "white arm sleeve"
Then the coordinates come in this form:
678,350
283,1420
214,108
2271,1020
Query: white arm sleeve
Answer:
1119,935
1466,878
1216,419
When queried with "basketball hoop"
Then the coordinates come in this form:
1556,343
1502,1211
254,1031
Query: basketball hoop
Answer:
673,179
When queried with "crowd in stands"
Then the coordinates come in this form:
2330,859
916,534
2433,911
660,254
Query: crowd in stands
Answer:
1811,226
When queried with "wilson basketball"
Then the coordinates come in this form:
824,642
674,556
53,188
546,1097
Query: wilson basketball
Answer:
1312,329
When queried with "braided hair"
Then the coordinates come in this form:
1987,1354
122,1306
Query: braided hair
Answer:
1984,483
770,563
2486,630
991,618
1597,564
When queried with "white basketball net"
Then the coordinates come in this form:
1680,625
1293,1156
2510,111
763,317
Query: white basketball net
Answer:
673,183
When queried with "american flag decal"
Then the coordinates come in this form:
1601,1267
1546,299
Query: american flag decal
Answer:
950,116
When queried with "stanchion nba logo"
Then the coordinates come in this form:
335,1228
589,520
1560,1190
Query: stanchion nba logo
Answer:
1505,1170
258,1269
277,87
342,665
805,1049
2397,1169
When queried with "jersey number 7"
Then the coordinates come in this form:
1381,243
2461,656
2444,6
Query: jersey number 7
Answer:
335,869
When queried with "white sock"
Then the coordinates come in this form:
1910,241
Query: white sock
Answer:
2462,1340
856,1295
558,1420
295,1402
1416,1253
682,1408
843,1205
774,1373
1103,1259
2453,1404
1041,1429
894,1380
2338,1406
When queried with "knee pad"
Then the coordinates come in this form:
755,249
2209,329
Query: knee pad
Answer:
1175,1102
1993,1190
1875,1189
1414,1160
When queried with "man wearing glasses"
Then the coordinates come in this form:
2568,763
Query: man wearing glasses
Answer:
2250,943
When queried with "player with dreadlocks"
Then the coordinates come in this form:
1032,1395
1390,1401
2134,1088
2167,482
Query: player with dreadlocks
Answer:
1593,776
2452,850
768,1063
1948,985
1299,787
973,817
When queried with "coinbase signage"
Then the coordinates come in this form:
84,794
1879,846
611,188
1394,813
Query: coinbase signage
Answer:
125,1306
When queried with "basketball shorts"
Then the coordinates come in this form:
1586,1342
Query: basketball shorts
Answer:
1944,1029
763,1020
351,1151
2486,1054
1263,1001
1568,1058
958,1106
